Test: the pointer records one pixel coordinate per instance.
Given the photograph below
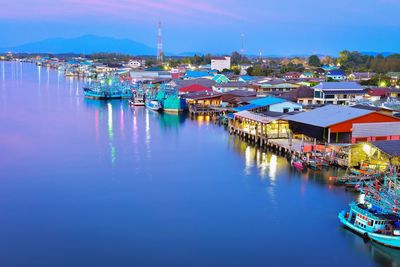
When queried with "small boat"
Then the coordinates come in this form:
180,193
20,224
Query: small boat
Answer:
138,99
372,223
153,105
313,165
298,164
174,104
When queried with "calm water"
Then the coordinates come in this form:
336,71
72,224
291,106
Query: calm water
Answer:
88,183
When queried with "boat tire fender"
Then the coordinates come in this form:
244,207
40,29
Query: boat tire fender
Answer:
365,236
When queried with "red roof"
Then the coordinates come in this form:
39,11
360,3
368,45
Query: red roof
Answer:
378,92
194,88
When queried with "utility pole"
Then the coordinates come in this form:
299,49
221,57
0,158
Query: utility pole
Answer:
160,53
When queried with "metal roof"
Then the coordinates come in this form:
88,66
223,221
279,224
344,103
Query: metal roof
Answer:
391,147
255,116
376,129
266,101
329,115
338,86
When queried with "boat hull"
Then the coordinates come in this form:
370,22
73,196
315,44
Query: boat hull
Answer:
173,111
389,241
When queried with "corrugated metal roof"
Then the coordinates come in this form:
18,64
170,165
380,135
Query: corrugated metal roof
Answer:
266,101
338,86
246,107
255,117
391,147
329,115
376,129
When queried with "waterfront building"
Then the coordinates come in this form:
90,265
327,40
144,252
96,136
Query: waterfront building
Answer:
335,124
260,126
220,63
338,93
369,132
194,88
202,102
376,155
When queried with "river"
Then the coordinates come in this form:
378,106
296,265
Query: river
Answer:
91,183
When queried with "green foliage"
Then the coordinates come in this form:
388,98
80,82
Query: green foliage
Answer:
237,59
110,57
377,80
258,70
355,61
292,67
314,61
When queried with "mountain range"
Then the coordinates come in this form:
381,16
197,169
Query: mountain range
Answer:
86,44
89,44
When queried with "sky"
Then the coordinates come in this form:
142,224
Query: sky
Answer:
276,27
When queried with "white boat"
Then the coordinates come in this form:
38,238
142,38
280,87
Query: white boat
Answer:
153,105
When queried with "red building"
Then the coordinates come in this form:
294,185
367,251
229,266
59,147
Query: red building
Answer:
194,88
335,124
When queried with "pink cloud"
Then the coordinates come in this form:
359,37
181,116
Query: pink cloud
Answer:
132,9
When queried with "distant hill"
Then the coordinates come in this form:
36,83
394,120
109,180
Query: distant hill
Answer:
86,44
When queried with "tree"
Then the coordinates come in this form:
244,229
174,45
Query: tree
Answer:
314,61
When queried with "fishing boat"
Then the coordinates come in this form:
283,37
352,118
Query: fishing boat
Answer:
110,88
138,99
372,223
173,104
153,105
377,217
298,164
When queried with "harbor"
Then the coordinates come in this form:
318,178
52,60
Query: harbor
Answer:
125,155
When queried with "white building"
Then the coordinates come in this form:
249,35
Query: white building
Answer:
338,93
136,63
220,63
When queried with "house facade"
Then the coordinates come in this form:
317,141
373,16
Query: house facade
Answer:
338,93
220,63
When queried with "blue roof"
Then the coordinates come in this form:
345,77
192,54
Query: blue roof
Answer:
260,102
336,73
197,74
266,101
247,78
246,107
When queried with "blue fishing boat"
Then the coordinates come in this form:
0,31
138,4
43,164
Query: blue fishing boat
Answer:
111,88
372,223
378,217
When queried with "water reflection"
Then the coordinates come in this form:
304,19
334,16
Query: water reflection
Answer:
111,133
381,255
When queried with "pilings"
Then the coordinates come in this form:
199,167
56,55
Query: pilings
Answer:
282,148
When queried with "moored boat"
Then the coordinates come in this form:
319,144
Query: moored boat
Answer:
110,89
153,105
372,223
173,104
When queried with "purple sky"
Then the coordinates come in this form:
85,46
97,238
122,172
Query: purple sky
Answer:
276,27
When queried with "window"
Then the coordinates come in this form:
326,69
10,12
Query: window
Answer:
285,110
